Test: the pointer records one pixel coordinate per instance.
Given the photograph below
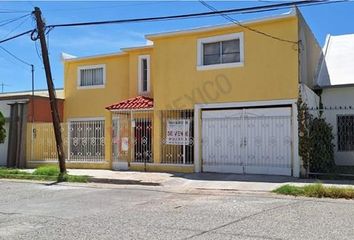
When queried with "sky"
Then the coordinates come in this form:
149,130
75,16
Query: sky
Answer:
334,19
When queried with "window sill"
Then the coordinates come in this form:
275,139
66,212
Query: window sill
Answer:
146,93
219,66
91,87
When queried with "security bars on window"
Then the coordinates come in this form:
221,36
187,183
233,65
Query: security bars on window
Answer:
91,77
87,140
177,136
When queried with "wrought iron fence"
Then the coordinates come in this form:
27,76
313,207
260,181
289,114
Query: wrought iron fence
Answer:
84,141
177,136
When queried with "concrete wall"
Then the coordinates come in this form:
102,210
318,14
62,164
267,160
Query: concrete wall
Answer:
310,54
42,111
309,97
5,110
335,98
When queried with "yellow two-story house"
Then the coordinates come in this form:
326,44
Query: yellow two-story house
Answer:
212,99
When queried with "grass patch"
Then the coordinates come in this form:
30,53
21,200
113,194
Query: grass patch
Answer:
47,171
316,190
44,173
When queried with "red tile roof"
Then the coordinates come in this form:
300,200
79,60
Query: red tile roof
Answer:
139,102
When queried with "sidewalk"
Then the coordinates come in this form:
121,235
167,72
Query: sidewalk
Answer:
207,181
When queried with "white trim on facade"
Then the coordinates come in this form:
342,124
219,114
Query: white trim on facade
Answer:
295,142
78,82
197,143
93,57
219,38
85,119
137,48
246,104
140,87
289,14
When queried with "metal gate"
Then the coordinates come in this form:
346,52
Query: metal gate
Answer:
132,138
254,141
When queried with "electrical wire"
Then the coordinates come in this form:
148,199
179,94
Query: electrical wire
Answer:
227,17
315,3
8,21
17,26
38,54
16,36
14,56
184,16
173,17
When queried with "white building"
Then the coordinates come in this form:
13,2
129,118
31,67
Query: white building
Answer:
336,87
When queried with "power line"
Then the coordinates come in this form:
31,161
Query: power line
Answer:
314,3
16,27
16,36
172,17
14,56
8,21
246,27
183,16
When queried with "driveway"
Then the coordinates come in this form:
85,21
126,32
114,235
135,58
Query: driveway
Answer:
99,211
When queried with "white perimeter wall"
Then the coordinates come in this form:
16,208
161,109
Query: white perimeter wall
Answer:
335,98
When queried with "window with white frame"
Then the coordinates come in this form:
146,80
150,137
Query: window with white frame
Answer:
220,51
91,76
345,133
144,74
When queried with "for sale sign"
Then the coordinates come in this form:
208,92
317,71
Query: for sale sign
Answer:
177,132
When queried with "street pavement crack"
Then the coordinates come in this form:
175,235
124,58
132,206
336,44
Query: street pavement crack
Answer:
241,219
9,213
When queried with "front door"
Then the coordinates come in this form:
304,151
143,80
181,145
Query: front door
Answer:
120,141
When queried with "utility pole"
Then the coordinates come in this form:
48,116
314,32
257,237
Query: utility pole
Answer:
52,98
32,103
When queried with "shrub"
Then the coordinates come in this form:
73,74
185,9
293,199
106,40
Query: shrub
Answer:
321,157
2,128
315,141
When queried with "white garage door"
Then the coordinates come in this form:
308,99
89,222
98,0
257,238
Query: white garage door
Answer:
251,141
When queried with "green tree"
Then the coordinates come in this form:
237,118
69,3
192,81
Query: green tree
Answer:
316,146
2,128
322,154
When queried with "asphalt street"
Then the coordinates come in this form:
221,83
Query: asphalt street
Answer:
99,211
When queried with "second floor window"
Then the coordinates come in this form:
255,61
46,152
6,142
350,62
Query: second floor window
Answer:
221,52
91,76
144,74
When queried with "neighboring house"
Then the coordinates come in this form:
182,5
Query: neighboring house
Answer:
20,109
212,99
336,88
